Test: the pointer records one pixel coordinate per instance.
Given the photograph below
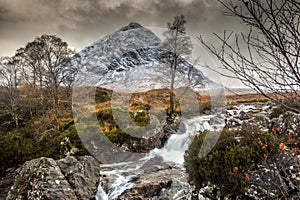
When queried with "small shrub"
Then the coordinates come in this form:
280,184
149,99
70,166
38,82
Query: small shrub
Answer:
117,136
14,150
56,146
276,112
291,105
141,118
102,95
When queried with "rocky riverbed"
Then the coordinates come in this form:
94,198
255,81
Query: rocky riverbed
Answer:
160,174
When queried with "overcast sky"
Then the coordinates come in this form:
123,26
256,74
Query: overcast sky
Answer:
82,22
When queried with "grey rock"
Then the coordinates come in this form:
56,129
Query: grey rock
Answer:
243,115
144,145
278,178
67,178
162,184
82,174
40,179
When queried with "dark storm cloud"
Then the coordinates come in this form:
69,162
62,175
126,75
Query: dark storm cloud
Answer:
80,22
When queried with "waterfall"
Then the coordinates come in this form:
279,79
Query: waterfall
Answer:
123,173
178,143
101,195
173,151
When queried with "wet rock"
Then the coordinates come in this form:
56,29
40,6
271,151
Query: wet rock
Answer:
67,178
162,184
156,164
146,190
150,178
157,140
157,160
209,192
243,115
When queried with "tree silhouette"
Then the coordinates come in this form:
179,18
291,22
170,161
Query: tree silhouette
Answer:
266,58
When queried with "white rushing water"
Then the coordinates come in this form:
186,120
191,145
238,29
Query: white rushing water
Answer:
173,151
122,172
178,143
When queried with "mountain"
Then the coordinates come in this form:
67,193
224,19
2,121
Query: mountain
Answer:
130,60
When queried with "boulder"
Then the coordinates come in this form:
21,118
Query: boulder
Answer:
160,184
157,140
145,179
67,178
244,115
82,174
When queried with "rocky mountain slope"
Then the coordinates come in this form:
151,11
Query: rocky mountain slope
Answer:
131,60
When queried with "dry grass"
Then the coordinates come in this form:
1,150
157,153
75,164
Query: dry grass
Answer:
244,98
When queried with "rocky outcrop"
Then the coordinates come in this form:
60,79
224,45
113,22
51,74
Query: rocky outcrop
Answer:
67,178
279,179
279,176
259,114
249,114
82,174
276,179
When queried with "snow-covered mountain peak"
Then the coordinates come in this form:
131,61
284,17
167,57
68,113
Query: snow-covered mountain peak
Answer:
130,60
132,25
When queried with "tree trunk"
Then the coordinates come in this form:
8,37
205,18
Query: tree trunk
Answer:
172,103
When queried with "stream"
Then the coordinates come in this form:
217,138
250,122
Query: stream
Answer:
122,175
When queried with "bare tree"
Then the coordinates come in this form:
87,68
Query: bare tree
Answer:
28,65
45,63
176,45
55,54
9,80
266,57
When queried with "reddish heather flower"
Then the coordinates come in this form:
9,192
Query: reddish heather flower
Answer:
281,146
275,130
247,176
235,169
